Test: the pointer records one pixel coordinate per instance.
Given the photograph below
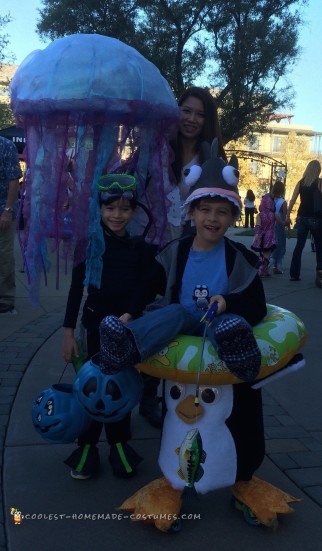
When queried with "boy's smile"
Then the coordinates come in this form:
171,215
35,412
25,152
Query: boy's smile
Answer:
116,216
212,217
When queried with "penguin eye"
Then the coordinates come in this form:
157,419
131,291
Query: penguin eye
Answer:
210,395
176,391
230,175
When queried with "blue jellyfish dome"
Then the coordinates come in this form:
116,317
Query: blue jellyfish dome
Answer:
92,73
89,105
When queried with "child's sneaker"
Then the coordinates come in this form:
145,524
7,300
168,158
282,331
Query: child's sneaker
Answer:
84,462
238,348
80,475
263,268
249,516
123,460
118,349
277,271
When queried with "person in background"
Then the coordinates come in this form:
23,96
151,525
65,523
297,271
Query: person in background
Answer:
264,240
198,122
10,173
127,263
307,220
278,192
249,204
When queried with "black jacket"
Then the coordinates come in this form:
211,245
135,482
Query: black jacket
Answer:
125,282
245,297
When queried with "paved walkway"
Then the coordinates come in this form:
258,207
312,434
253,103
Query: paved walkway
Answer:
35,480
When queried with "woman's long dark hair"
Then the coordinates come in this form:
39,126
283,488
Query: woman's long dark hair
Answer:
250,195
210,130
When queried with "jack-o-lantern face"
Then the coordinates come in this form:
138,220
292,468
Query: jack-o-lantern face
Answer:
107,397
58,416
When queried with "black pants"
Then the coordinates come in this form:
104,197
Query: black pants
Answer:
115,432
249,217
119,431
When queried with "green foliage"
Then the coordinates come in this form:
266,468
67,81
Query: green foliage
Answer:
6,116
255,46
4,40
173,36
242,49
113,18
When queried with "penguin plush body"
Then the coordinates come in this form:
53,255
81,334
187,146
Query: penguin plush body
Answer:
182,415
232,434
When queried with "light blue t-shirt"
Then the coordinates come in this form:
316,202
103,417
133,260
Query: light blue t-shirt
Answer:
205,275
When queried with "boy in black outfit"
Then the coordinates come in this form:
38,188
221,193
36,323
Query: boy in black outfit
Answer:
124,291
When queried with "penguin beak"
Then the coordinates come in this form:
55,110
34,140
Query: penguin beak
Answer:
188,412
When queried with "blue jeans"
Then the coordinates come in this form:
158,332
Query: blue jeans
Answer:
305,224
156,329
279,253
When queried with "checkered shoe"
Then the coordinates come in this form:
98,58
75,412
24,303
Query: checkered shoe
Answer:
238,348
118,349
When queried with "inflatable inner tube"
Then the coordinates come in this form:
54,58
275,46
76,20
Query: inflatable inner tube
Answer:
280,335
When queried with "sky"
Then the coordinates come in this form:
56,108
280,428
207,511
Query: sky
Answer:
306,76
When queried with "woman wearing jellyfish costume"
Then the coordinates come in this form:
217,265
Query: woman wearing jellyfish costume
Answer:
102,101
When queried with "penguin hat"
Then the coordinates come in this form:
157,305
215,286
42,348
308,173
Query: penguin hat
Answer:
214,178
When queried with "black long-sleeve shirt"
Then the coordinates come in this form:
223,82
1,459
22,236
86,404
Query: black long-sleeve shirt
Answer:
125,283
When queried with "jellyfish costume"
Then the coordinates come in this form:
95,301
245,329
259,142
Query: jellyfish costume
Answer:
89,105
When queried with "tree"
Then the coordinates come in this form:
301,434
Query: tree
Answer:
113,18
4,39
255,46
173,36
242,49
6,116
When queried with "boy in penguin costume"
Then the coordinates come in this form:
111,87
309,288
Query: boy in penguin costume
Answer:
230,424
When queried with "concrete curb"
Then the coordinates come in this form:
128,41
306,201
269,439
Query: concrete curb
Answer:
17,352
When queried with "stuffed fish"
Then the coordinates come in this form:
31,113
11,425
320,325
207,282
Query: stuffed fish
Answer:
191,455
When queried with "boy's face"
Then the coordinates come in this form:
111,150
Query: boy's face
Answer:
116,216
212,217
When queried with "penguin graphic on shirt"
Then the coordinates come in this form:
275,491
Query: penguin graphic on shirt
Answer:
201,297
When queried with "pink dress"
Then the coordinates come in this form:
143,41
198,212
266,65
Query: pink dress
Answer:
264,239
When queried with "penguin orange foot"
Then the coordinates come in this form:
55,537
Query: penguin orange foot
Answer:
156,503
264,500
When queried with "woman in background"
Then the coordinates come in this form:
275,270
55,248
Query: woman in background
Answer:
249,204
307,220
198,122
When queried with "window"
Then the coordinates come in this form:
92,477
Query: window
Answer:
276,143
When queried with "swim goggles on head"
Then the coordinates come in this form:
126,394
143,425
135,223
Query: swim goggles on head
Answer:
116,185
